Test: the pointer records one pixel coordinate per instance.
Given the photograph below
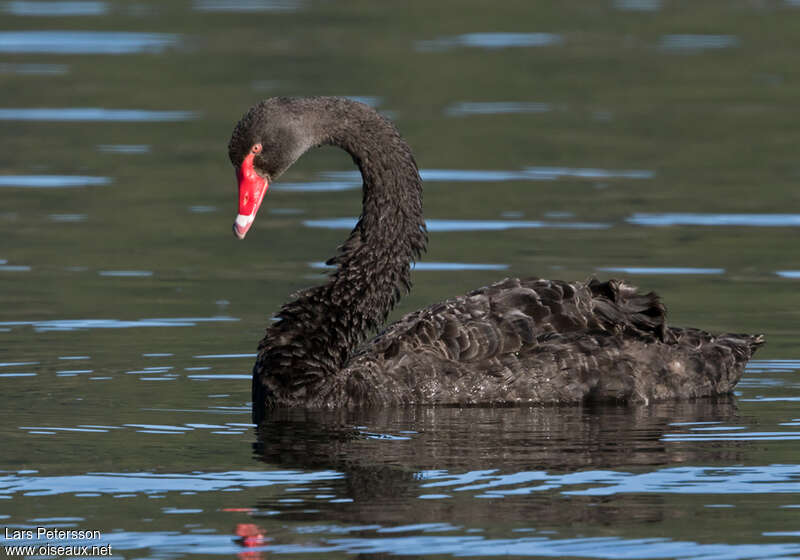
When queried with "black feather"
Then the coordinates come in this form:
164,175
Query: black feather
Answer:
517,341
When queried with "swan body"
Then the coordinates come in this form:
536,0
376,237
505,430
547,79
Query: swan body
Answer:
528,341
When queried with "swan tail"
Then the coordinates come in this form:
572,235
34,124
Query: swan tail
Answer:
620,307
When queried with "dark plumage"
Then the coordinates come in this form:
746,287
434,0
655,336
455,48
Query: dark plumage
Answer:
529,341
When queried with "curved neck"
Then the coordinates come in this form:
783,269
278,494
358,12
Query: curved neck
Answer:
317,332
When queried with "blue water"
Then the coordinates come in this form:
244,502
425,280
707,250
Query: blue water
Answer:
84,42
93,114
690,219
435,225
52,181
498,40
50,9
661,270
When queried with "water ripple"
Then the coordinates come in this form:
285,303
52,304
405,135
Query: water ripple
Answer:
55,9
123,148
465,225
592,547
68,218
491,41
126,273
736,436
393,541
464,108
150,483
637,5
423,540
661,270
85,42
220,376
372,100
773,366
541,173
246,6
85,114
687,43
435,266
335,181
691,219
61,325
14,268
52,181
225,356
677,480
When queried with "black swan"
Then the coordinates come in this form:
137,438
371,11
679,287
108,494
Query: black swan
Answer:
526,341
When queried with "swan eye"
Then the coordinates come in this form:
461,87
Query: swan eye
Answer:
256,149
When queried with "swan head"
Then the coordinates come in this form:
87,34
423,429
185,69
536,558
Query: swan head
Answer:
267,140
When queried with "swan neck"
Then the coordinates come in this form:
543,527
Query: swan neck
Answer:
317,332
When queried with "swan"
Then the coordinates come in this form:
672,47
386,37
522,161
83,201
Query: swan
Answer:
518,341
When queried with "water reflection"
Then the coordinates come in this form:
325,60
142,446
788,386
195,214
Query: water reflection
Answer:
330,476
85,42
94,114
444,455
446,439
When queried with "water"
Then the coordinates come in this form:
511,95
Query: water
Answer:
83,42
50,9
92,114
632,138
51,181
